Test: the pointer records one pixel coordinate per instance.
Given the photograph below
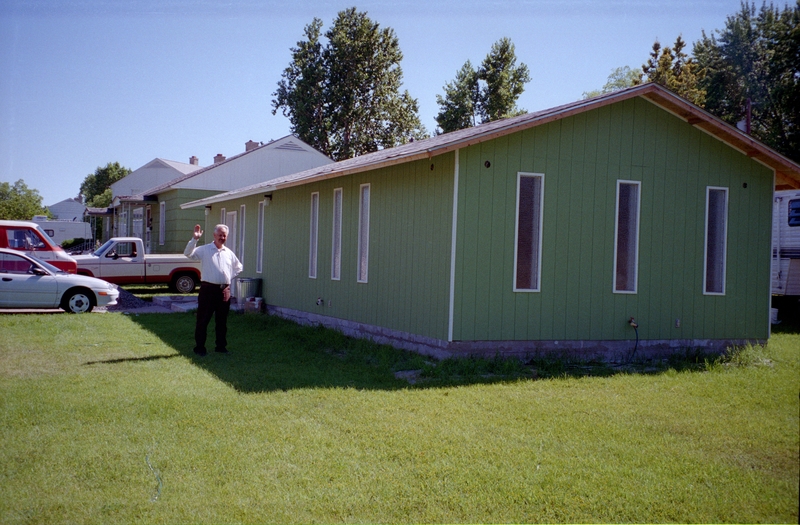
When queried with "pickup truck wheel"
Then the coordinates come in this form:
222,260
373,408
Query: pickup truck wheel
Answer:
184,283
78,301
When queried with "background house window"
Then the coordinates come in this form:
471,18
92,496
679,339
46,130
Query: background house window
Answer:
312,243
336,255
626,237
162,223
123,224
528,248
260,238
716,240
363,234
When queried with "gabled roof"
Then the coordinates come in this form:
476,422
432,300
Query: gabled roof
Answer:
787,172
289,142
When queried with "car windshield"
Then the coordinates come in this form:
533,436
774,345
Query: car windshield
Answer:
46,265
101,250
44,235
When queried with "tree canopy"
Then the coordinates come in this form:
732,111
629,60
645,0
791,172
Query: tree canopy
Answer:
754,63
18,202
343,96
96,187
486,94
620,78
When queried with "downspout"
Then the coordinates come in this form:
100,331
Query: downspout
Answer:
454,230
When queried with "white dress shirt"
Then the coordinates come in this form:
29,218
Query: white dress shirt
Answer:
219,265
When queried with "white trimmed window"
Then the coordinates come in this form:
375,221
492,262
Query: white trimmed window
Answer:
528,235
363,233
716,240
626,237
260,238
230,222
336,245
242,212
313,236
162,223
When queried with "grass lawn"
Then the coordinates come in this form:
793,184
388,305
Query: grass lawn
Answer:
110,418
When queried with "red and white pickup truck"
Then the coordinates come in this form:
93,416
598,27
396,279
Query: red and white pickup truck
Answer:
121,260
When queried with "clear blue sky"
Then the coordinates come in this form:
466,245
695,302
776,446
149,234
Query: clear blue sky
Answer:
87,82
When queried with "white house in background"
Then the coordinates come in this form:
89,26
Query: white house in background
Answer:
158,207
68,210
155,172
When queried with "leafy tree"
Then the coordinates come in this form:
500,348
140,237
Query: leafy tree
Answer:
344,97
675,70
96,187
490,93
756,58
18,202
459,107
620,78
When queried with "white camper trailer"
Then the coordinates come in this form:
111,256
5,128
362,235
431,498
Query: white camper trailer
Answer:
60,231
786,243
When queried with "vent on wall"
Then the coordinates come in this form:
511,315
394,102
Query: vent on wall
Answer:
291,146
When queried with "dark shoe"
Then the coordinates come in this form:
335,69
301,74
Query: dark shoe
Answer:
221,350
200,351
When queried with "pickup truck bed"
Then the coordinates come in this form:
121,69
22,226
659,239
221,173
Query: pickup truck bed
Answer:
121,260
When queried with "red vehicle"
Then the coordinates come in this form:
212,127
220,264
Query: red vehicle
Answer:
30,239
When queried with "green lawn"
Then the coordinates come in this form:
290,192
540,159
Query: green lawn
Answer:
110,418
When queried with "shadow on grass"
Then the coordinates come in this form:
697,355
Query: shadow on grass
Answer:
269,353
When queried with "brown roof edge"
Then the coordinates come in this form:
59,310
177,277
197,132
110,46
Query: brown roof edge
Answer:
787,172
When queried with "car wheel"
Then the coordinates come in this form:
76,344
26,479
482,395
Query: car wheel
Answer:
78,301
184,284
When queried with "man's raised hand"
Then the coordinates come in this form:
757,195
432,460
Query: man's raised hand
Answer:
198,232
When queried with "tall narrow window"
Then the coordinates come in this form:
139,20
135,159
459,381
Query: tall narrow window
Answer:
716,240
626,237
162,223
241,232
260,238
312,242
363,234
336,251
222,215
528,247
230,222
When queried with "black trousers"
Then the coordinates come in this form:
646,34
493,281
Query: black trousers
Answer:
210,303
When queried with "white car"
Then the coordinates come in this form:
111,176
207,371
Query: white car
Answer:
28,282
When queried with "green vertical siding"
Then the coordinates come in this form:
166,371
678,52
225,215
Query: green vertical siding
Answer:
179,223
582,157
409,247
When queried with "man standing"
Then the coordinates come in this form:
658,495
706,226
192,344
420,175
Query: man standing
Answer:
219,266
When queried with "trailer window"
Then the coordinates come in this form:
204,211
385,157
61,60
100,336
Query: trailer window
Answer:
794,213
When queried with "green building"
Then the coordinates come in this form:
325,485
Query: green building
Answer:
631,220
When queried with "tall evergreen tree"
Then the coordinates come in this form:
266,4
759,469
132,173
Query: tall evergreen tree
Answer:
753,64
505,81
488,94
344,97
675,70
